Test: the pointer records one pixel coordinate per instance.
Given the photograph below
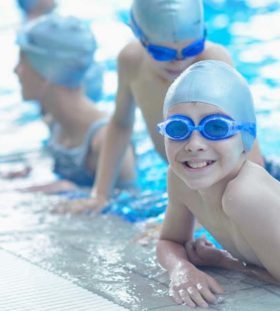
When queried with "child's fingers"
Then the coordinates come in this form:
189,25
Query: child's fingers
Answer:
212,253
186,299
202,242
207,294
214,286
78,207
191,253
176,296
195,296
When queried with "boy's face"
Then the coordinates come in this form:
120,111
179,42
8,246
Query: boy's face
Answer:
170,70
31,83
198,161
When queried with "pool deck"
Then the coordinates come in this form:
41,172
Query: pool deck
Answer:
100,254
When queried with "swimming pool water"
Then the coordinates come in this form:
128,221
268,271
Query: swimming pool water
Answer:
247,28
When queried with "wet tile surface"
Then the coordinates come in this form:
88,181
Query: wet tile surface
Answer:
100,254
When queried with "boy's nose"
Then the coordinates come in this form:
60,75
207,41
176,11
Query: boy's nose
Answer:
196,143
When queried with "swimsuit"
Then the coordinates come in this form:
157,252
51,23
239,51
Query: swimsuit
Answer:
70,163
273,167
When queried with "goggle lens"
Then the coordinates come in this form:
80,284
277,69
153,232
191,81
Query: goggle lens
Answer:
178,129
194,49
161,53
217,128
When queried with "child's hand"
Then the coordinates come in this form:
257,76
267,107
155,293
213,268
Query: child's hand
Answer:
193,287
51,188
17,172
203,253
78,206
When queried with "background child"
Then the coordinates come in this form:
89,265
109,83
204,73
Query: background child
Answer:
209,128
55,54
171,36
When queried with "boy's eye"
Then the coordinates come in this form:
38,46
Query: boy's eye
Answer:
216,128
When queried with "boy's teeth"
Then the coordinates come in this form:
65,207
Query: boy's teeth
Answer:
198,164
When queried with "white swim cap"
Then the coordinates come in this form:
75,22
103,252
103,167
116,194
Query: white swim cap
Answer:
60,49
169,20
219,84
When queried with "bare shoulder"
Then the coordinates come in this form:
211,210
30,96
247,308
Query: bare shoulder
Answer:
250,189
216,52
130,59
129,62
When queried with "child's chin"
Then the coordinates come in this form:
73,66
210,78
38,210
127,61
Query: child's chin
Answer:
197,185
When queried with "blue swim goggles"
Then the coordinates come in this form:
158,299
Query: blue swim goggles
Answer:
166,54
213,127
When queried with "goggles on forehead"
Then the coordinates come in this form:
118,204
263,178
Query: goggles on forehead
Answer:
163,53
212,127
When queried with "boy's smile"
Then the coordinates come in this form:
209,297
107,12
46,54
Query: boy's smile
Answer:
198,164
198,161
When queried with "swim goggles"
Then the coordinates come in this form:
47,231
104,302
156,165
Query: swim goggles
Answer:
213,127
163,53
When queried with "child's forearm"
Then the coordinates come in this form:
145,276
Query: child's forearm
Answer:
170,254
110,160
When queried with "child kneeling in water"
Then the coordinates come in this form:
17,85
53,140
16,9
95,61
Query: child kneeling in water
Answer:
209,127
55,55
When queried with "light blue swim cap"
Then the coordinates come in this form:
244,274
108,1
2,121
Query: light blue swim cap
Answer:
216,83
60,49
169,20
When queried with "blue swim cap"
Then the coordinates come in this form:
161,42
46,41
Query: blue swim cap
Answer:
60,49
216,83
169,20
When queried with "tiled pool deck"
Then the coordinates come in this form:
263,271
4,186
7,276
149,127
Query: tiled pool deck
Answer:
100,255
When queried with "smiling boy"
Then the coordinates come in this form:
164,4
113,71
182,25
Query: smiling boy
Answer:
209,128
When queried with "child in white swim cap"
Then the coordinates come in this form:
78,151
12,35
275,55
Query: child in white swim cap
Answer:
56,53
209,128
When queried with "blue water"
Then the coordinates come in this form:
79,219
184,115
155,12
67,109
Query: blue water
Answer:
249,29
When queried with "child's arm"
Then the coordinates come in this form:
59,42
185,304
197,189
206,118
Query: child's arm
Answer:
187,284
118,133
203,253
